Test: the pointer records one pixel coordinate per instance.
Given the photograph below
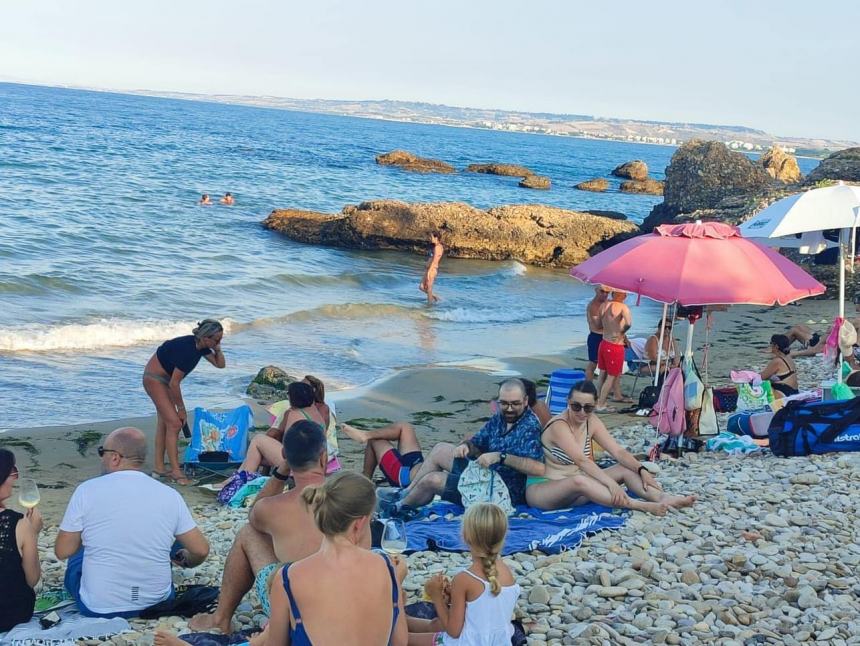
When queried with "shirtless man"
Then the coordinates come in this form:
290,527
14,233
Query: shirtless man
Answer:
595,327
204,200
228,199
281,528
616,320
432,269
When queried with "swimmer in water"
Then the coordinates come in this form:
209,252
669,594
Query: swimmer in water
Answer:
204,200
228,199
432,268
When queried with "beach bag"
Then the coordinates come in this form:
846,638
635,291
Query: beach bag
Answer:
694,389
649,396
667,415
708,425
822,427
740,424
725,399
479,484
754,398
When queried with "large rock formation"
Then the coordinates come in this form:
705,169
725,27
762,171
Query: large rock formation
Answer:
270,384
780,165
407,161
706,179
595,185
536,181
645,187
533,234
508,170
635,170
844,165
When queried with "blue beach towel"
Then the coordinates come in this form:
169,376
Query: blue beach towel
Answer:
550,532
220,431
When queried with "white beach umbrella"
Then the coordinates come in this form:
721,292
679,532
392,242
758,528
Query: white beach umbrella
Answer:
833,207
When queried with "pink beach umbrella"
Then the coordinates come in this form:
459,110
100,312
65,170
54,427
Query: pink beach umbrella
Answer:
702,263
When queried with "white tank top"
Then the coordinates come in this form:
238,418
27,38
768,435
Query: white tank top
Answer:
488,618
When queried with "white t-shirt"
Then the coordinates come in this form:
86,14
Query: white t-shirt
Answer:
128,522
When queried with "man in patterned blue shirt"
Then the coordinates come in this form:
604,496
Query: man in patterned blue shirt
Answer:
510,439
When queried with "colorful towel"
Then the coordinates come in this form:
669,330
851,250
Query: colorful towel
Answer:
732,444
550,532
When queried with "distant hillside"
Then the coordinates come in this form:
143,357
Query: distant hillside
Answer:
573,125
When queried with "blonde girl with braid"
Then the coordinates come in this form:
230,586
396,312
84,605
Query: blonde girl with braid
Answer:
478,607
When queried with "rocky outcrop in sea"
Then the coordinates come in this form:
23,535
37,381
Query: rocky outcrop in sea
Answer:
780,165
530,233
408,161
635,170
594,185
536,181
644,186
508,170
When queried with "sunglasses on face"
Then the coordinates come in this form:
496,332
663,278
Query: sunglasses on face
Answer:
102,450
576,407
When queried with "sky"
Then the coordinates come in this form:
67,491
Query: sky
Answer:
786,67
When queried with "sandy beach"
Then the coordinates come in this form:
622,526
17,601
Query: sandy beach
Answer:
692,577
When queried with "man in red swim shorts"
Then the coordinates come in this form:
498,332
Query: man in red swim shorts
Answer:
616,319
396,463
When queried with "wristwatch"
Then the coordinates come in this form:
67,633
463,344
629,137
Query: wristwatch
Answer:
503,457
277,475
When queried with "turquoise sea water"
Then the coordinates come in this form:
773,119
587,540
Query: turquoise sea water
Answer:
104,252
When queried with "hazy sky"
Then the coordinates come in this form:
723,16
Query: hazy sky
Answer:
787,67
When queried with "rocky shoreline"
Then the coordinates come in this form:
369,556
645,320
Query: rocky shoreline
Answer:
530,233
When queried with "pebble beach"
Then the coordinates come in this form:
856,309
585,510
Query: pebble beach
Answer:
770,553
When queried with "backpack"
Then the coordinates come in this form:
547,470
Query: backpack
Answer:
479,484
814,428
668,416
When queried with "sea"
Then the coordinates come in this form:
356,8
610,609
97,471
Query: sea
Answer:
104,252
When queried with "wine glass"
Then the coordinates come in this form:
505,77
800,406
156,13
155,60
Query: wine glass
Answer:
394,536
28,493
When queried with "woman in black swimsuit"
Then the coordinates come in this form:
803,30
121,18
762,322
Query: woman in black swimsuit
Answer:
166,369
781,371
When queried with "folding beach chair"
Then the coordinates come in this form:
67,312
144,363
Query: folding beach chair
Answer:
219,442
635,364
560,382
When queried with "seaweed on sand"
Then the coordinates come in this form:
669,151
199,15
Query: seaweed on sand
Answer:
368,423
20,443
423,417
86,439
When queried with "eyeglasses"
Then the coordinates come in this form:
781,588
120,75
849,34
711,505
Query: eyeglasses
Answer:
102,450
504,404
14,473
576,407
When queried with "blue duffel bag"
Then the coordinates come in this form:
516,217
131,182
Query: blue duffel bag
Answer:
815,428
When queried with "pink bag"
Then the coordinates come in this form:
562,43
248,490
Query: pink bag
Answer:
668,415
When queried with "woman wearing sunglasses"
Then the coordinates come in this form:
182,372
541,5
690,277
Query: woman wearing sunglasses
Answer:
573,478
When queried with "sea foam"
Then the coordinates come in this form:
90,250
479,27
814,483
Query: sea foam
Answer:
93,335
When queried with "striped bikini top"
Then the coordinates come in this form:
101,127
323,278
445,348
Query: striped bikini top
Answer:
559,455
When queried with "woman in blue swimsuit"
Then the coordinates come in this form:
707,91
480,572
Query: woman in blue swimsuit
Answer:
343,594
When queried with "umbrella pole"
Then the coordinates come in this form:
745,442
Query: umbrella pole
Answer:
842,245
689,351
660,345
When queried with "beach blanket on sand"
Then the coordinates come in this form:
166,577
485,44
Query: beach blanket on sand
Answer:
550,532
72,627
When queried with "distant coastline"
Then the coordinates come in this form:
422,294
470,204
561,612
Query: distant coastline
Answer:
670,134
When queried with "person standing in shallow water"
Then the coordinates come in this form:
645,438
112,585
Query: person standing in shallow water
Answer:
432,268
165,370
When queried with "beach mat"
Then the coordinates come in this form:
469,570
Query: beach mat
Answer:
550,532
73,626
